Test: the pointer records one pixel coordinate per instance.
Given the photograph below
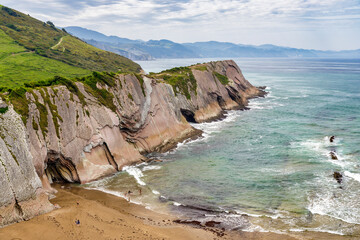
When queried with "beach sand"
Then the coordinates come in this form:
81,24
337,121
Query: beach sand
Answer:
104,216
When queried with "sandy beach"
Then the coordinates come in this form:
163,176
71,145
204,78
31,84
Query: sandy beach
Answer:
104,216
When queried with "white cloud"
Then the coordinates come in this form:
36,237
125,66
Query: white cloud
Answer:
242,21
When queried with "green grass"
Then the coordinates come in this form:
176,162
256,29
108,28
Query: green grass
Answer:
223,79
180,78
31,50
202,68
4,110
101,94
8,46
15,70
20,102
79,53
91,82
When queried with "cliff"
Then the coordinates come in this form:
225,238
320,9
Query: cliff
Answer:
79,131
22,196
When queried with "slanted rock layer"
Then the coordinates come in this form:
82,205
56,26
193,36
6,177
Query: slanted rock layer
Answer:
85,139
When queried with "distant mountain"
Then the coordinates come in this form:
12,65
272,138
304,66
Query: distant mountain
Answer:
133,49
223,49
90,34
141,50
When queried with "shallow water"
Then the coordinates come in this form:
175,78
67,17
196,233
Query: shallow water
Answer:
272,162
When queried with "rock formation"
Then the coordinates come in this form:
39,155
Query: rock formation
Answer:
338,177
22,196
73,133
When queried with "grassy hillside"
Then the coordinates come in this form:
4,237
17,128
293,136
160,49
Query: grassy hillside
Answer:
19,65
33,50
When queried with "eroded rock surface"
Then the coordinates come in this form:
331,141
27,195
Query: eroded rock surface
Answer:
22,196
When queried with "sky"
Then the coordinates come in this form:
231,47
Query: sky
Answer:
309,24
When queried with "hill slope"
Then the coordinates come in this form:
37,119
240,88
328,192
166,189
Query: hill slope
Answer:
19,65
33,50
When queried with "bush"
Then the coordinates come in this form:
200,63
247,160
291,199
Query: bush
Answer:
9,11
12,26
4,110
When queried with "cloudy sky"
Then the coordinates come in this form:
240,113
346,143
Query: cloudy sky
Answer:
313,24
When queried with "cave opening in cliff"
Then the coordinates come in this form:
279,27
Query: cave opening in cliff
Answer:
221,101
60,169
189,115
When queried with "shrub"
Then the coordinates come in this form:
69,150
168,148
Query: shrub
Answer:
9,11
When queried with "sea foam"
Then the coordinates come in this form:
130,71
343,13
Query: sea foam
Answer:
136,173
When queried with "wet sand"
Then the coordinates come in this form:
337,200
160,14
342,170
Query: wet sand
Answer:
104,216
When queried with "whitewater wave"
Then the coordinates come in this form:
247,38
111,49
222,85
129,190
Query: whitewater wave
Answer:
151,167
155,192
136,173
335,202
316,230
115,193
355,176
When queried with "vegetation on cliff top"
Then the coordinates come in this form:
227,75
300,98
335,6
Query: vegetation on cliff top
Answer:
31,49
180,78
95,84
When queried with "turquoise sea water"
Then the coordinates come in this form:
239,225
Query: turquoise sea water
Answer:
272,162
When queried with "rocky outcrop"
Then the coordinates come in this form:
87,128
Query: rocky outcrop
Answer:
22,196
85,130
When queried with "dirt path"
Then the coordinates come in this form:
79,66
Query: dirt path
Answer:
60,41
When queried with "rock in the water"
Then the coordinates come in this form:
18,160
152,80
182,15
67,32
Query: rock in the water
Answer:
333,155
332,138
338,177
212,223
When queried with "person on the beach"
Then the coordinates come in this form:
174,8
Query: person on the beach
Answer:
128,194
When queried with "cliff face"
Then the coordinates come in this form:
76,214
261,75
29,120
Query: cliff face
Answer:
74,134
22,196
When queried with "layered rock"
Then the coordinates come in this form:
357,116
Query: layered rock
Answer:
22,196
77,134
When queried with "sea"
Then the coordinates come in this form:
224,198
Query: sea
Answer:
267,169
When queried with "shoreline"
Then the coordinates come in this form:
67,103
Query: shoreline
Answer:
105,216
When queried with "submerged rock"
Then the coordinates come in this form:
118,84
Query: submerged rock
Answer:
333,155
338,177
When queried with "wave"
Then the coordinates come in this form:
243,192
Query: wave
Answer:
136,173
335,202
115,193
355,176
316,230
155,192
151,167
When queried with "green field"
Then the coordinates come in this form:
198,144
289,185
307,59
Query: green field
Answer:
18,65
31,50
